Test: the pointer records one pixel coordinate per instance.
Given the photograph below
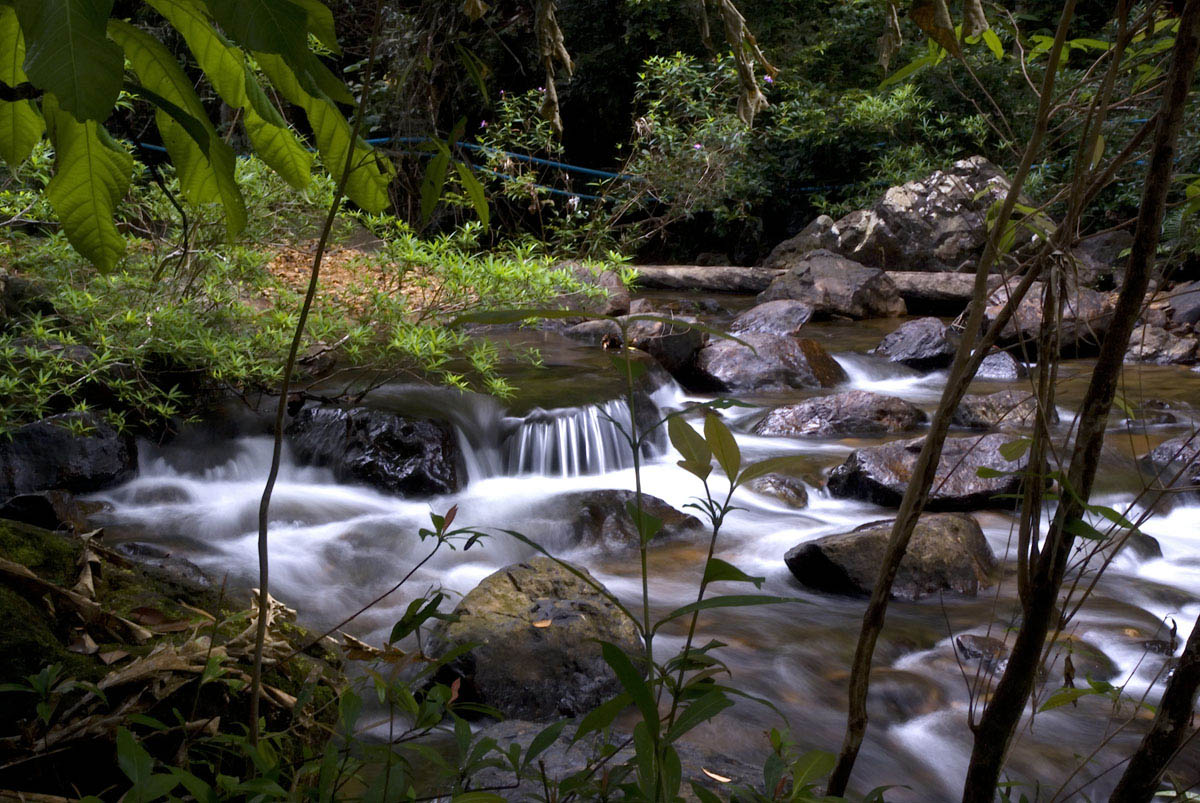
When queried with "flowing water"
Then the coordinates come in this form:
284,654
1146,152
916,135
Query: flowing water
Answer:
336,546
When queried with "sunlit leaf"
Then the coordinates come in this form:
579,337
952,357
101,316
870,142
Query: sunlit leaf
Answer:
21,125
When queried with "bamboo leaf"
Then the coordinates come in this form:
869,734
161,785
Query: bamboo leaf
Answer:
633,683
717,570
474,191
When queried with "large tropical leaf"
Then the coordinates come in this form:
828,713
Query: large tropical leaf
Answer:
91,177
205,165
21,124
370,173
68,54
320,23
280,149
264,26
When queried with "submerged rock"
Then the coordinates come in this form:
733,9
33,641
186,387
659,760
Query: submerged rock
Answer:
948,552
788,490
47,455
881,473
537,628
1007,409
855,412
833,285
602,518
407,456
925,344
766,362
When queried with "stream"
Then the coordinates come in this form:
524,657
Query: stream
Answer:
336,546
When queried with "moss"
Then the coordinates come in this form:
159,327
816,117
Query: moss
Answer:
29,641
51,556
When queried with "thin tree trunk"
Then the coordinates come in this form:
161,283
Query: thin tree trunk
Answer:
995,729
970,353
264,506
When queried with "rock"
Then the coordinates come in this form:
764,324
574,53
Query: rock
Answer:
162,565
50,510
925,344
613,301
47,455
1177,456
816,235
1159,413
948,552
1085,318
992,653
406,456
768,362
593,332
833,285
724,279
1008,409
938,223
674,345
788,490
601,518
927,293
1000,366
1183,302
853,413
1156,345
537,629
783,317
21,297
1098,258
880,474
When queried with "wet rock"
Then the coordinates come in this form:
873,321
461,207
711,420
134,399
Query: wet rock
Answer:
47,455
784,318
1007,409
723,279
593,332
833,285
853,413
1159,413
938,223
767,362
925,344
1176,456
537,629
602,518
948,552
1000,366
50,510
788,490
1085,318
1157,345
673,344
880,474
991,652
165,567
407,456
1183,303
818,234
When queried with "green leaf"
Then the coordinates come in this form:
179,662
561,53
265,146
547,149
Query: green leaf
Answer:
67,54
723,445
478,797
205,166
21,125
370,174
507,316
92,174
812,766
704,795
433,182
543,740
988,473
647,524
264,26
1084,530
320,23
279,148
474,191
687,442
994,44
1068,695
1014,449
773,465
602,716
729,601
717,570
221,63
697,712
908,70
633,683
138,767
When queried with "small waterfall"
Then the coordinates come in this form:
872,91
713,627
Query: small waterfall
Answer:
574,441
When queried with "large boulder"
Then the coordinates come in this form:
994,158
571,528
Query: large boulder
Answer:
602,518
1177,456
833,285
610,296
1008,409
880,474
1157,345
853,413
1085,318
537,629
1000,366
50,510
674,344
406,456
783,317
1183,303
1098,258
948,552
925,344
821,233
766,362
938,223
76,452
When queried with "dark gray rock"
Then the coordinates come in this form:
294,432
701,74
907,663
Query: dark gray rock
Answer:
537,628
788,490
766,362
948,552
50,510
724,279
1183,303
818,234
1156,345
853,413
1008,409
1085,318
925,344
601,518
406,456
880,474
674,344
48,455
612,300
945,294
1098,259
1000,366
783,317
833,285
1177,456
